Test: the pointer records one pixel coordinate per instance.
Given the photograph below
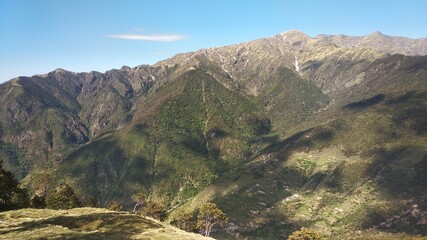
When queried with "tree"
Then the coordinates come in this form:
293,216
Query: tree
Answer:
20,199
11,195
63,197
138,199
8,185
305,234
155,210
210,216
38,201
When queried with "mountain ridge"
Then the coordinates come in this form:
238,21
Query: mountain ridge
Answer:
293,50
421,41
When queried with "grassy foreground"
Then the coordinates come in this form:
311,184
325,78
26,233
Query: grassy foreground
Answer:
85,223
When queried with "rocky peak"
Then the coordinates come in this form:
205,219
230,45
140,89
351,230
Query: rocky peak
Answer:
125,68
377,34
60,70
294,34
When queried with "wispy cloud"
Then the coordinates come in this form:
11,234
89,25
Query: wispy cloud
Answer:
158,53
144,37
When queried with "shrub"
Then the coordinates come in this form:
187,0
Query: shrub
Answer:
114,206
62,197
38,201
305,234
155,210
185,221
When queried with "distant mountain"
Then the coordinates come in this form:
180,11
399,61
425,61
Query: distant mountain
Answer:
281,132
380,42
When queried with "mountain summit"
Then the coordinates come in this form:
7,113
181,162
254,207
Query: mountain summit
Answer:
325,132
382,43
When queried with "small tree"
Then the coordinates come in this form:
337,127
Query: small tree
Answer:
20,199
210,216
305,234
138,199
62,197
11,195
155,210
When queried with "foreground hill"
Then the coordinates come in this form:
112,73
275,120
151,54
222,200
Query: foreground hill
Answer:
85,223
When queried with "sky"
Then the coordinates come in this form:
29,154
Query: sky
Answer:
38,36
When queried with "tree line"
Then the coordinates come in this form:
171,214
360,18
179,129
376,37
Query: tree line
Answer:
12,196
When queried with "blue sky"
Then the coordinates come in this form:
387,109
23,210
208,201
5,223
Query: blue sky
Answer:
38,36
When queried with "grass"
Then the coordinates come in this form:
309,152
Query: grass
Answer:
85,223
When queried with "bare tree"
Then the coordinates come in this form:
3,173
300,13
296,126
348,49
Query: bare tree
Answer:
138,199
210,216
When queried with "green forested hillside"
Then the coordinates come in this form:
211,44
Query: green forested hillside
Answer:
199,131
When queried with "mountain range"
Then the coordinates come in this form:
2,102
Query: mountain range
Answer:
327,132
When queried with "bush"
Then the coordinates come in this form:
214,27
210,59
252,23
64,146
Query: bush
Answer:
114,206
62,197
185,221
38,201
305,234
155,210
91,202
